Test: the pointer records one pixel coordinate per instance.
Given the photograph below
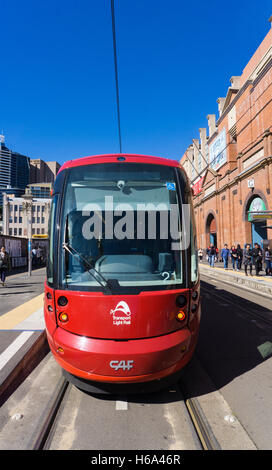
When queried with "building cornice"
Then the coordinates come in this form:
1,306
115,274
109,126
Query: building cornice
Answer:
244,174
254,83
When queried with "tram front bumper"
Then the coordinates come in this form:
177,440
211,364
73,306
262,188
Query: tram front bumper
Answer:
129,361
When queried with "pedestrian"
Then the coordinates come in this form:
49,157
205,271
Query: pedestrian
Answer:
234,258
247,257
268,261
200,254
4,264
34,256
240,256
257,258
212,254
225,256
38,256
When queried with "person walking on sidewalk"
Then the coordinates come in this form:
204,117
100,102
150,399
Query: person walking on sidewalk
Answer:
39,256
212,255
268,261
240,256
257,258
200,254
225,256
4,264
234,258
248,259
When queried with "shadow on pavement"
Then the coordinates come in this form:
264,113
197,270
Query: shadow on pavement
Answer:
235,337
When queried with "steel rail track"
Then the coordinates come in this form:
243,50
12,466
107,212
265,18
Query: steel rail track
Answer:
48,422
202,427
199,420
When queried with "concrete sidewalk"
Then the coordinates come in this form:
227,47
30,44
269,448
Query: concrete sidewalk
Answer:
23,341
259,284
20,288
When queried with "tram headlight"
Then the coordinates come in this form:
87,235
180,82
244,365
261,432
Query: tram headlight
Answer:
63,317
180,315
194,308
181,301
194,295
62,301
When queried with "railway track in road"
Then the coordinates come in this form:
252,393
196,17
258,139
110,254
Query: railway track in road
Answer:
47,413
201,424
68,414
202,435
48,422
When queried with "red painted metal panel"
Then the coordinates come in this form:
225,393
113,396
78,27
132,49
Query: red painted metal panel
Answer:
114,158
145,315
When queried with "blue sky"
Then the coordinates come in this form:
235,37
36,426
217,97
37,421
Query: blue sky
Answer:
175,59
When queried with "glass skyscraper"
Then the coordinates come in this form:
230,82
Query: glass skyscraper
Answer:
14,170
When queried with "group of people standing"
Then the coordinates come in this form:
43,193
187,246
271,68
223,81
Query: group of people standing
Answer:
248,256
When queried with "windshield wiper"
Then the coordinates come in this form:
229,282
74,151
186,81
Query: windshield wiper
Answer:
92,271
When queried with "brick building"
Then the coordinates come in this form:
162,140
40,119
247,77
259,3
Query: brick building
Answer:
231,168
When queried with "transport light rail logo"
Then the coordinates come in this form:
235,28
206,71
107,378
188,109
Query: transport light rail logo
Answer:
121,315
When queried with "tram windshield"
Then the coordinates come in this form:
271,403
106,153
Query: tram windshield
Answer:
121,226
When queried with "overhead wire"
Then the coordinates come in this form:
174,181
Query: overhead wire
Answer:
116,73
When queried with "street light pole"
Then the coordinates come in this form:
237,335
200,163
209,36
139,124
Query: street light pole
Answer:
28,208
29,246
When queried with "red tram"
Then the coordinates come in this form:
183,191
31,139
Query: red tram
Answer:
122,303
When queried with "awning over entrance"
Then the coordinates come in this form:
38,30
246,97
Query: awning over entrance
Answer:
257,211
258,216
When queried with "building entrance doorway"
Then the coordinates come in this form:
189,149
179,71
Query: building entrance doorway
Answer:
257,215
211,230
259,232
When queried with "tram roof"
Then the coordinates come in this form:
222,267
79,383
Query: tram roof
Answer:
110,158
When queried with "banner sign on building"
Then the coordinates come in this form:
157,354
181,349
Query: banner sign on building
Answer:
217,151
197,187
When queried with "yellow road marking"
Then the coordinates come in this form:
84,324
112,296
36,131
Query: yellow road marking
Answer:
15,316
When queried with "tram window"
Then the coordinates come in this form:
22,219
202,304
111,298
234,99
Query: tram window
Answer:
51,231
118,219
194,258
